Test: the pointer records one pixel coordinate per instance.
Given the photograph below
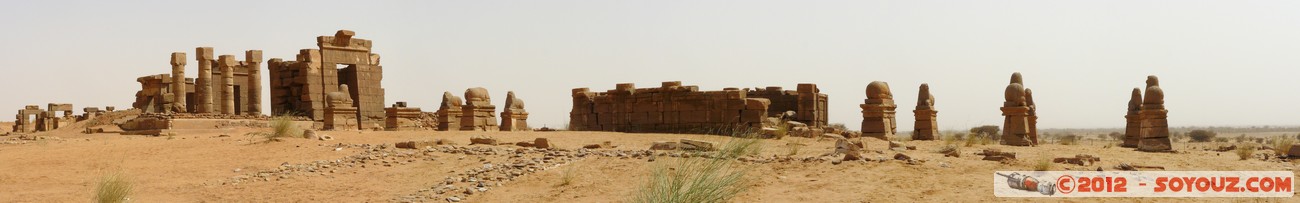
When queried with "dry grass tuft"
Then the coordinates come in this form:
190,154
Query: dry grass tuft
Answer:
700,179
1245,151
113,188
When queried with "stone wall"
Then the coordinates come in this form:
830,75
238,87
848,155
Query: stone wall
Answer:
300,86
676,108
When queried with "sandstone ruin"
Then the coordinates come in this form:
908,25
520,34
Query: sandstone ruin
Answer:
34,119
301,86
878,112
236,92
1016,128
514,117
675,108
1154,131
449,112
927,124
1133,126
400,117
478,113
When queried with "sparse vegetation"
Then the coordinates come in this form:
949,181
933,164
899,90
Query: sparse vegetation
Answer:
793,147
1116,136
1245,151
1043,165
698,179
570,173
1220,139
1282,146
1069,139
988,130
839,126
113,188
1203,136
281,127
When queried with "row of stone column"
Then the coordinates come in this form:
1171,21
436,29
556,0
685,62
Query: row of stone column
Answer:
203,92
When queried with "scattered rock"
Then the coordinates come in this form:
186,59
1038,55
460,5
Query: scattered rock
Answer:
1295,151
484,140
895,144
541,143
416,144
832,136
309,134
997,155
524,144
1081,159
326,138
689,144
1226,148
602,145
664,145
901,156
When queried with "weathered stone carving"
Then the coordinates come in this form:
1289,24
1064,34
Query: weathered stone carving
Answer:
927,124
1155,125
878,112
341,113
449,112
1133,128
1015,128
514,117
478,113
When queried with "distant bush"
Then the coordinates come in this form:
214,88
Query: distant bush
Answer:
1282,146
1069,139
1203,136
991,131
1245,151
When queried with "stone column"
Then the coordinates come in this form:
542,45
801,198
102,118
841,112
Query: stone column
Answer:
203,84
227,64
254,60
178,82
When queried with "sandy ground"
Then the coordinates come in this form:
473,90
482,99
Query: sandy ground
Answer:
200,167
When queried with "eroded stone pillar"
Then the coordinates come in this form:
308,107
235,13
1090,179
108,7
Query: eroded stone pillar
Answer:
1155,135
1133,126
203,84
254,60
1015,129
178,83
227,65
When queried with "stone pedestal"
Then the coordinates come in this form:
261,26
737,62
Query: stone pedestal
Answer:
927,125
514,121
1132,131
478,113
449,112
342,118
1015,130
1155,135
878,120
399,118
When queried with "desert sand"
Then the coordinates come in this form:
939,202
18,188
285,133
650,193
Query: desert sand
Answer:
64,166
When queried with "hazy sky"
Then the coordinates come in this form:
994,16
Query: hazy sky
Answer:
1220,62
